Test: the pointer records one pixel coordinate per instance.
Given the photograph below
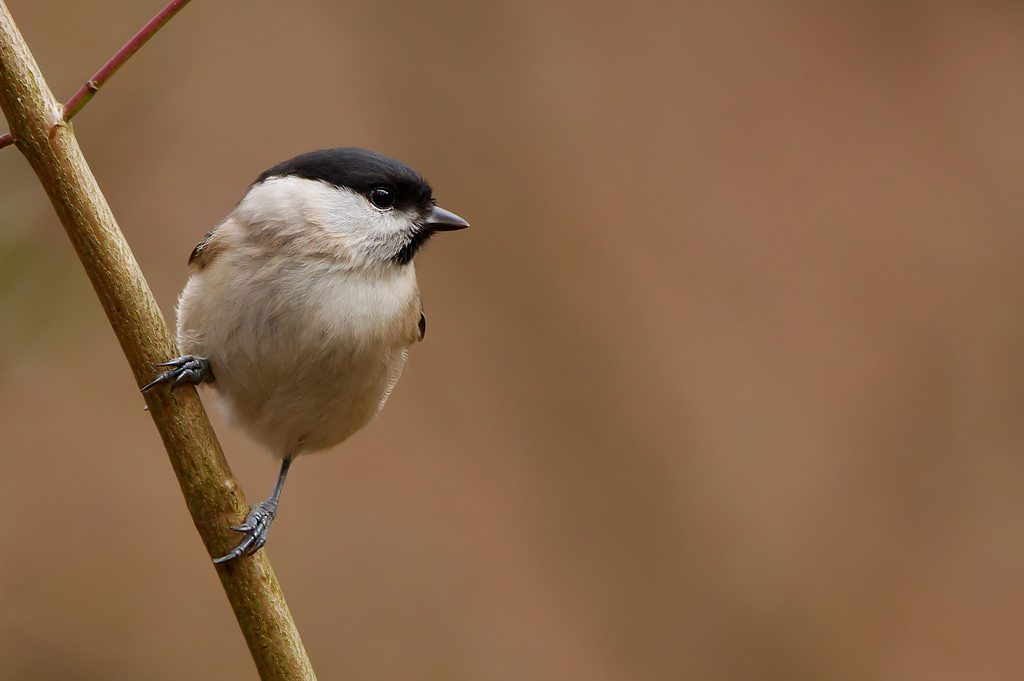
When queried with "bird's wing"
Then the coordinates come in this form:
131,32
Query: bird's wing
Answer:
205,251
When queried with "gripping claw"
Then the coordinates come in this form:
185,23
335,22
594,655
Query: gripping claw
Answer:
256,529
186,369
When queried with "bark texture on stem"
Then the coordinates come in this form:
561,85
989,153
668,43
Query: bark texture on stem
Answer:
212,495
92,86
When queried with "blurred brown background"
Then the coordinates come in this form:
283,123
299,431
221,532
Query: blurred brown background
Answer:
724,383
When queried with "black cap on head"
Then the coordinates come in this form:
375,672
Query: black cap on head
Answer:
360,170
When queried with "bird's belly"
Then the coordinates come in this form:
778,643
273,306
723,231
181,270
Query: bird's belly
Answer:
301,358
314,403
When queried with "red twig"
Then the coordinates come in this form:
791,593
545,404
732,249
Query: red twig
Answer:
92,86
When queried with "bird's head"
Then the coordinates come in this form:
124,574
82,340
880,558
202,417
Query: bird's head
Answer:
363,207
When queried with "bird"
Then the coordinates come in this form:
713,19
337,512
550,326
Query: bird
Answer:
301,305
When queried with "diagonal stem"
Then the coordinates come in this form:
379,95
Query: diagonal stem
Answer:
99,79
213,497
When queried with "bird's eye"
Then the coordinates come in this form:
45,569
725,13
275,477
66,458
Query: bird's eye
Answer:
382,197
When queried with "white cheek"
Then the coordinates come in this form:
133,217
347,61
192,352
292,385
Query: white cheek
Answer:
368,232
347,212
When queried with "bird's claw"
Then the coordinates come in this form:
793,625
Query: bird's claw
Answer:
186,369
256,528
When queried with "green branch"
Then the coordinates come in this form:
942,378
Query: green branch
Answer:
212,495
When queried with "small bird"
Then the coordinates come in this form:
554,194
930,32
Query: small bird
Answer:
301,305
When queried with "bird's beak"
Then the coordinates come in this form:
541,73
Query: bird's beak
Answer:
441,220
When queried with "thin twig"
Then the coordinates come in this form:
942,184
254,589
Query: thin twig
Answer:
213,497
99,79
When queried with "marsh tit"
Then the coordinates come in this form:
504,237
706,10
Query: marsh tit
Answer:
301,305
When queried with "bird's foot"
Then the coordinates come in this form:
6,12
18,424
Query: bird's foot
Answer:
185,369
256,528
